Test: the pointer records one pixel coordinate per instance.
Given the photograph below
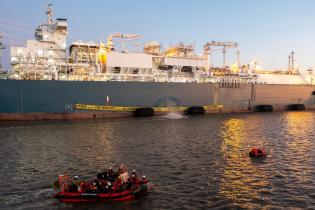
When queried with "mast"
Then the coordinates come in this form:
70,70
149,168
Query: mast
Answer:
289,63
49,13
238,59
1,48
291,68
292,62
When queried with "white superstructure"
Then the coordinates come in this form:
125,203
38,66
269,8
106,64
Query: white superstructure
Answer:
46,58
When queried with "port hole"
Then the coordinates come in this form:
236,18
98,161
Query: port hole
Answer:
313,93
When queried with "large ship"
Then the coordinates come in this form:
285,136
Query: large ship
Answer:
49,80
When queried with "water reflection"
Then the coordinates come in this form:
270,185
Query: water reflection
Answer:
299,140
241,179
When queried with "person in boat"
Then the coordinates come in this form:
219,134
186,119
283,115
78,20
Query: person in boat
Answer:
111,175
134,183
71,186
117,186
123,180
123,174
134,172
93,188
100,176
61,183
144,180
84,187
122,168
99,186
76,184
108,188
134,179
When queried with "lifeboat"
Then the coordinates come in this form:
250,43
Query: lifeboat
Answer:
75,197
257,152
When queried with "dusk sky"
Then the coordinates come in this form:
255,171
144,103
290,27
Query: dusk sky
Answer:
266,30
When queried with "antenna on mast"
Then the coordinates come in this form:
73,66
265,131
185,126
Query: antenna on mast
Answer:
49,13
1,48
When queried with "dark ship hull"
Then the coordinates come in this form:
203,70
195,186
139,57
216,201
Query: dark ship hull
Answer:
44,99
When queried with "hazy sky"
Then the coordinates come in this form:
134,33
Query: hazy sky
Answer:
266,30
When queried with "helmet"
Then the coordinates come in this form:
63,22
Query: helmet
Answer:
133,175
76,177
143,177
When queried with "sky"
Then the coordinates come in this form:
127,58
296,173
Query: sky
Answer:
266,30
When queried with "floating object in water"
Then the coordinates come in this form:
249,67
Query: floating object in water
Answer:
257,152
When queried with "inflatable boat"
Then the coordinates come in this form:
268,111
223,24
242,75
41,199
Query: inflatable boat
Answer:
73,197
257,152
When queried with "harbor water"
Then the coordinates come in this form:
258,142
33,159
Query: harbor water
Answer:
194,162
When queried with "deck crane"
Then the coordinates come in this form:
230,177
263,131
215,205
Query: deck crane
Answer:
124,38
225,45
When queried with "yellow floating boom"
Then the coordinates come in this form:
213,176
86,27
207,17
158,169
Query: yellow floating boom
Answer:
133,108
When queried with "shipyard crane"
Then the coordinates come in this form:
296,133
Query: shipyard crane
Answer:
124,38
225,45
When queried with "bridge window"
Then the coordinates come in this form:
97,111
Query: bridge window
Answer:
135,71
116,70
165,67
187,69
